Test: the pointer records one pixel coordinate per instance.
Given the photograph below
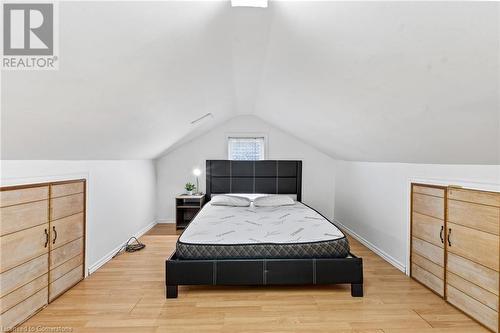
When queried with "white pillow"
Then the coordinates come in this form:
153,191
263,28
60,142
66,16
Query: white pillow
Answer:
230,200
273,200
249,196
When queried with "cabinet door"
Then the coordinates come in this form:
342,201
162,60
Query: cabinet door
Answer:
24,247
427,236
67,231
472,276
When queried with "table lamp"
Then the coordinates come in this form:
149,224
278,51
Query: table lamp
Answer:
197,173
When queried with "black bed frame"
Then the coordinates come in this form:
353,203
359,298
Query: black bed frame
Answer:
276,177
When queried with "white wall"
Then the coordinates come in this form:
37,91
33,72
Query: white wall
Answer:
175,169
372,199
120,197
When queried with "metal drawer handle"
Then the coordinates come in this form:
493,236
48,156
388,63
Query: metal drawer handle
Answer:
55,234
449,234
46,238
441,234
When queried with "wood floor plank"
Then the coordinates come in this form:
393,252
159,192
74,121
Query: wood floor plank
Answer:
127,295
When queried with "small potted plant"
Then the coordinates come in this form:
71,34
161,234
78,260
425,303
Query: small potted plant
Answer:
189,188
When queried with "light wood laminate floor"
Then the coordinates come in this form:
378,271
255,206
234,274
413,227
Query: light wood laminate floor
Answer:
127,295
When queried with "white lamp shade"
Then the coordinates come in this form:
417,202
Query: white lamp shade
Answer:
196,172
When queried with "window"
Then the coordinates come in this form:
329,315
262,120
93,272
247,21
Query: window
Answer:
245,148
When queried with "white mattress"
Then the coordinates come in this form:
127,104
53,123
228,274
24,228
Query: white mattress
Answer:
223,225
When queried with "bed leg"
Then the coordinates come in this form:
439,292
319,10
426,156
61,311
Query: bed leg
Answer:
356,289
172,291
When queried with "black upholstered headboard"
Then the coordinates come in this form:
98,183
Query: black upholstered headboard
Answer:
272,177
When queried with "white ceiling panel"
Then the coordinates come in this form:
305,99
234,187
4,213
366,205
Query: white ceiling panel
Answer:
370,81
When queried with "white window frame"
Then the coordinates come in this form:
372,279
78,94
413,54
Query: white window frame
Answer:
247,136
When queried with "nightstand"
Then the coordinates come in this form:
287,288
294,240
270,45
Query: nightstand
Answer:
186,207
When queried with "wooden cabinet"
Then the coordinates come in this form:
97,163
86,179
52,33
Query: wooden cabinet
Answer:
42,233
455,247
427,236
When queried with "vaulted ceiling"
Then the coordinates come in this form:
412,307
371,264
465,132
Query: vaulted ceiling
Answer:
369,81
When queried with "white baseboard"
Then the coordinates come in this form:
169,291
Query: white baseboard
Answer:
372,247
110,255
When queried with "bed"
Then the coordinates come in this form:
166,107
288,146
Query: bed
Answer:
287,232
294,244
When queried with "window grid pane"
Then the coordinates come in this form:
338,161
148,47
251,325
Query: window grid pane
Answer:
246,149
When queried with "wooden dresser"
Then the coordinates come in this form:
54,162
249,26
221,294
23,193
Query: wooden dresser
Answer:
42,237
455,247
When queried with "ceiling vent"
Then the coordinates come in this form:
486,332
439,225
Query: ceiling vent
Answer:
208,115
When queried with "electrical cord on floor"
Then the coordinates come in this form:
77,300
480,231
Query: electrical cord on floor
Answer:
128,247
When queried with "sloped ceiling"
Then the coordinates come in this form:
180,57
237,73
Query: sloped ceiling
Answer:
369,81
